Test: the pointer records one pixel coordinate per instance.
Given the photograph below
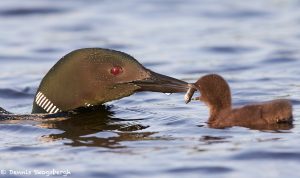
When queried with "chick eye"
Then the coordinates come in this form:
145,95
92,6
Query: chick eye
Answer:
116,70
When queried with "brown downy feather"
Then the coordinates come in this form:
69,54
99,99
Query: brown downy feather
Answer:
215,93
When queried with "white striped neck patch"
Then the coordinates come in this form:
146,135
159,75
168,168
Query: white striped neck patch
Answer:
42,101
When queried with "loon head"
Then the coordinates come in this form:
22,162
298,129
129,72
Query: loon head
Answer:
93,76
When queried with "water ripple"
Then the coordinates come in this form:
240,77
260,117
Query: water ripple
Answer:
279,60
11,93
202,169
30,11
259,155
228,49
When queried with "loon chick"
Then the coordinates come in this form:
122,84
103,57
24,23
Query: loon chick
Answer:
215,93
92,76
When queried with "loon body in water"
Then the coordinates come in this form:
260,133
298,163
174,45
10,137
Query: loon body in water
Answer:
215,93
92,76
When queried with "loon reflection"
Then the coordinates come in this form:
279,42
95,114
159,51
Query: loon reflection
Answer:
90,126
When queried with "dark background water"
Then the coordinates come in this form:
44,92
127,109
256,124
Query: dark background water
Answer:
253,44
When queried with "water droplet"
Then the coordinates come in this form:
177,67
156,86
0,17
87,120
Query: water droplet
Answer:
168,94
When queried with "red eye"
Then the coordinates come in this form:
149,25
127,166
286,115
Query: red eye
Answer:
116,70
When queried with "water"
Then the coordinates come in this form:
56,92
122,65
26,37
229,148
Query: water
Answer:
254,45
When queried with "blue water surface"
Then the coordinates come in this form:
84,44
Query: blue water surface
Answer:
253,44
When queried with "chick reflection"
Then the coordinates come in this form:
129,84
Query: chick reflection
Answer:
84,126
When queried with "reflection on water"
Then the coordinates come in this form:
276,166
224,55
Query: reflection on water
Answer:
84,128
270,127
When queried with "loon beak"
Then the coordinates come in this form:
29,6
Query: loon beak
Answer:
161,83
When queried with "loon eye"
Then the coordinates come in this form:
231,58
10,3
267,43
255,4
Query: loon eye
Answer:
116,70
